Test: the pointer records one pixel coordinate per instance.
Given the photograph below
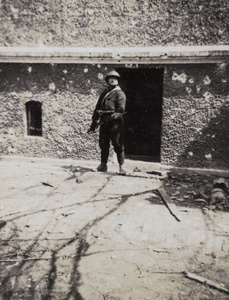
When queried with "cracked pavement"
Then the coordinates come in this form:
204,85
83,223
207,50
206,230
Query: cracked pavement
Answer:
72,233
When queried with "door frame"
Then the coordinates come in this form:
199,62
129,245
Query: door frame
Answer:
158,77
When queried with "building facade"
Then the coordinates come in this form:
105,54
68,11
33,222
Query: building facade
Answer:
173,60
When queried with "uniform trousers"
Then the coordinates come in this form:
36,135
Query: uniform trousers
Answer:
112,131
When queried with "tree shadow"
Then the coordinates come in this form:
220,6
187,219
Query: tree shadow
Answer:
24,266
18,269
77,169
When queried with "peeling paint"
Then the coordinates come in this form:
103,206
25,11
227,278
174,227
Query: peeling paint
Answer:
100,76
208,156
52,86
207,80
222,66
198,88
182,77
189,90
207,95
190,123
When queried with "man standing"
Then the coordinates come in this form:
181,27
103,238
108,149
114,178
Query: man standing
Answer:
108,113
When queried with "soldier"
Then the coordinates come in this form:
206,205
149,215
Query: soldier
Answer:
108,114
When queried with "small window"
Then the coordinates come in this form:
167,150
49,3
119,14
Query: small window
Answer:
34,118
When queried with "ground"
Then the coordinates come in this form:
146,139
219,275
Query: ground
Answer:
68,232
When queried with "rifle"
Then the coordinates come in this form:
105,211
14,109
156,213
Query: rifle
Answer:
109,118
104,112
96,124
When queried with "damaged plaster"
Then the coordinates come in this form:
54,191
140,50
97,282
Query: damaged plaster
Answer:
194,121
196,116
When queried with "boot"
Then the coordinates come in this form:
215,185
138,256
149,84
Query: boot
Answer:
121,170
102,167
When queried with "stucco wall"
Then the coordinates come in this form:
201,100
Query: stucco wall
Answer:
195,119
196,116
68,94
113,23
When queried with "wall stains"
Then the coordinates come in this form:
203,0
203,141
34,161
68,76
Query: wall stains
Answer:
195,115
195,105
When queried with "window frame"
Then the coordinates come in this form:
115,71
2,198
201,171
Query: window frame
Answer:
33,118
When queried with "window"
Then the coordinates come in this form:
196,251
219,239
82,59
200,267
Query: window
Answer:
34,118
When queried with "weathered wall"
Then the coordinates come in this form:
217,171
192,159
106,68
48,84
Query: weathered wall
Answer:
195,119
113,23
196,116
68,94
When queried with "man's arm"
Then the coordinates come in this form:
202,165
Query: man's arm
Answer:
96,114
120,102
120,105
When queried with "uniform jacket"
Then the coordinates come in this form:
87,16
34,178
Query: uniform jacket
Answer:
114,100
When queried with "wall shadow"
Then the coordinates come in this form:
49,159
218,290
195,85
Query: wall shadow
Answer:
210,149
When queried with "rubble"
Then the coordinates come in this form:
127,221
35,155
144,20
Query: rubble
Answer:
206,281
79,180
47,184
197,190
68,213
219,194
2,223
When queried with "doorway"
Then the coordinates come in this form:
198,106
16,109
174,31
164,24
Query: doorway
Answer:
144,90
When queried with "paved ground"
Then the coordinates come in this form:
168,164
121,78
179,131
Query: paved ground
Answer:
72,233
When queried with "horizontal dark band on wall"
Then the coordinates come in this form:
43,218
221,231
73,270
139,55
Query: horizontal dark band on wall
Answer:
138,55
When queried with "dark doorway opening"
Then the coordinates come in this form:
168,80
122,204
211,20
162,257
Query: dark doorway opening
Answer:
144,91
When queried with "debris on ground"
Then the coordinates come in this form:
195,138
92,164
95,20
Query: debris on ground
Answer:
136,169
168,203
113,238
219,194
203,192
79,180
80,169
47,184
206,281
197,190
154,173
2,223
72,212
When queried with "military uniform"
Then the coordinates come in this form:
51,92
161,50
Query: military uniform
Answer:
112,101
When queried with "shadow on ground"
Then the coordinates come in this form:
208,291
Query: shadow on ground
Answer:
30,267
